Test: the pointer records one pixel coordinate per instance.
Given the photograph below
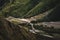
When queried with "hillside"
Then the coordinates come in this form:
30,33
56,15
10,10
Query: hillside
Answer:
29,19
11,31
24,9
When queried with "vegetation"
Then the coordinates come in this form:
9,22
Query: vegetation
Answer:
29,9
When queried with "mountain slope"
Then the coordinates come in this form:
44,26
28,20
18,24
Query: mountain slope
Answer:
28,8
10,31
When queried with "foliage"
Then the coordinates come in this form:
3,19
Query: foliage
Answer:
28,8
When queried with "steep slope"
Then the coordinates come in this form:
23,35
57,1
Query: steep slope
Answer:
42,7
24,8
28,8
10,31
